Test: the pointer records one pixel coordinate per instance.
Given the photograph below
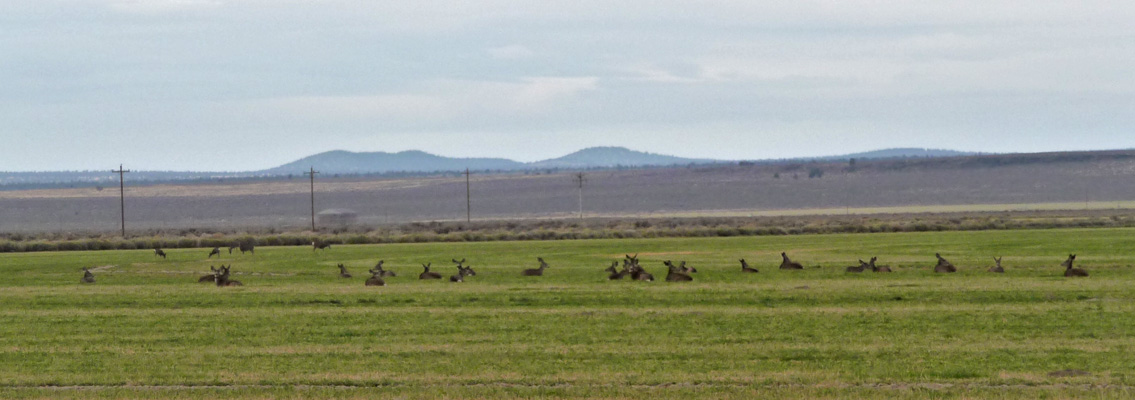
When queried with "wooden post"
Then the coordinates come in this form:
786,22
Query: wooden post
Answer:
122,195
312,173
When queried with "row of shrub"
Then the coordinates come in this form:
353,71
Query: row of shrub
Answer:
564,230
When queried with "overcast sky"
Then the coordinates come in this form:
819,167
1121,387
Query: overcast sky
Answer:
250,84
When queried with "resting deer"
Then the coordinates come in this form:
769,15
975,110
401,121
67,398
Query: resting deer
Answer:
674,274
216,252
426,274
375,278
745,267
343,272
862,266
382,272
320,245
536,271
789,264
160,253
211,278
462,272
943,265
223,277
630,265
880,268
1071,271
88,277
686,270
997,268
615,273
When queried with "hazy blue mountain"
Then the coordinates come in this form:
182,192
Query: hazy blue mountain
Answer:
346,162
613,156
907,152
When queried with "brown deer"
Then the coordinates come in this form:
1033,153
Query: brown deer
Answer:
426,274
745,267
222,278
160,253
211,278
862,266
249,247
615,274
232,247
462,272
375,278
536,271
1071,271
382,272
343,272
943,265
320,245
880,268
630,265
789,264
674,273
686,270
997,268
88,277
216,252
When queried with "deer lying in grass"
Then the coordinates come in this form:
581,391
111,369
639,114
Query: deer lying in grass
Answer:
88,277
615,274
943,265
222,278
462,272
789,264
426,274
536,271
375,278
343,272
1071,271
997,268
631,266
862,266
686,270
675,274
160,253
880,268
745,267
216,252
382,272
211,278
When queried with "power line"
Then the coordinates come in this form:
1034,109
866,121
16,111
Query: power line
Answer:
312,173
122,195
468,199
579,179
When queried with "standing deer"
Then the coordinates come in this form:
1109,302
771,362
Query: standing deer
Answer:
382,272
88,277
222,278
943,265
343,272
1071,271
426,274
862,266
745,267
536,271
997,268
789,264
880,268
319,245
249,247
160,253
375,278
216,252
675,273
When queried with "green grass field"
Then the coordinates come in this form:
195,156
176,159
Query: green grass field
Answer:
296,330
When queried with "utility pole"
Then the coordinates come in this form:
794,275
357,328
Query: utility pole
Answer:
122,195
312,173
468,201
579,178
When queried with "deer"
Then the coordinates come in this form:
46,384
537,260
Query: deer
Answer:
789,264
614,273
211,278
343,272
997,268
375,278
1071,271
243,247
319,245
222,278
382,272
462,272
880,268
745,267
88,277
686,270
943,265
160,253
426,274
630,265
216,252
674,274
536,271
862,266
232,247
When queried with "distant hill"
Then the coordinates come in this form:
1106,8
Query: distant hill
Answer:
594,157
904,152
346,162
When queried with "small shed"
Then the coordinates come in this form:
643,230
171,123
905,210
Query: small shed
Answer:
337,216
